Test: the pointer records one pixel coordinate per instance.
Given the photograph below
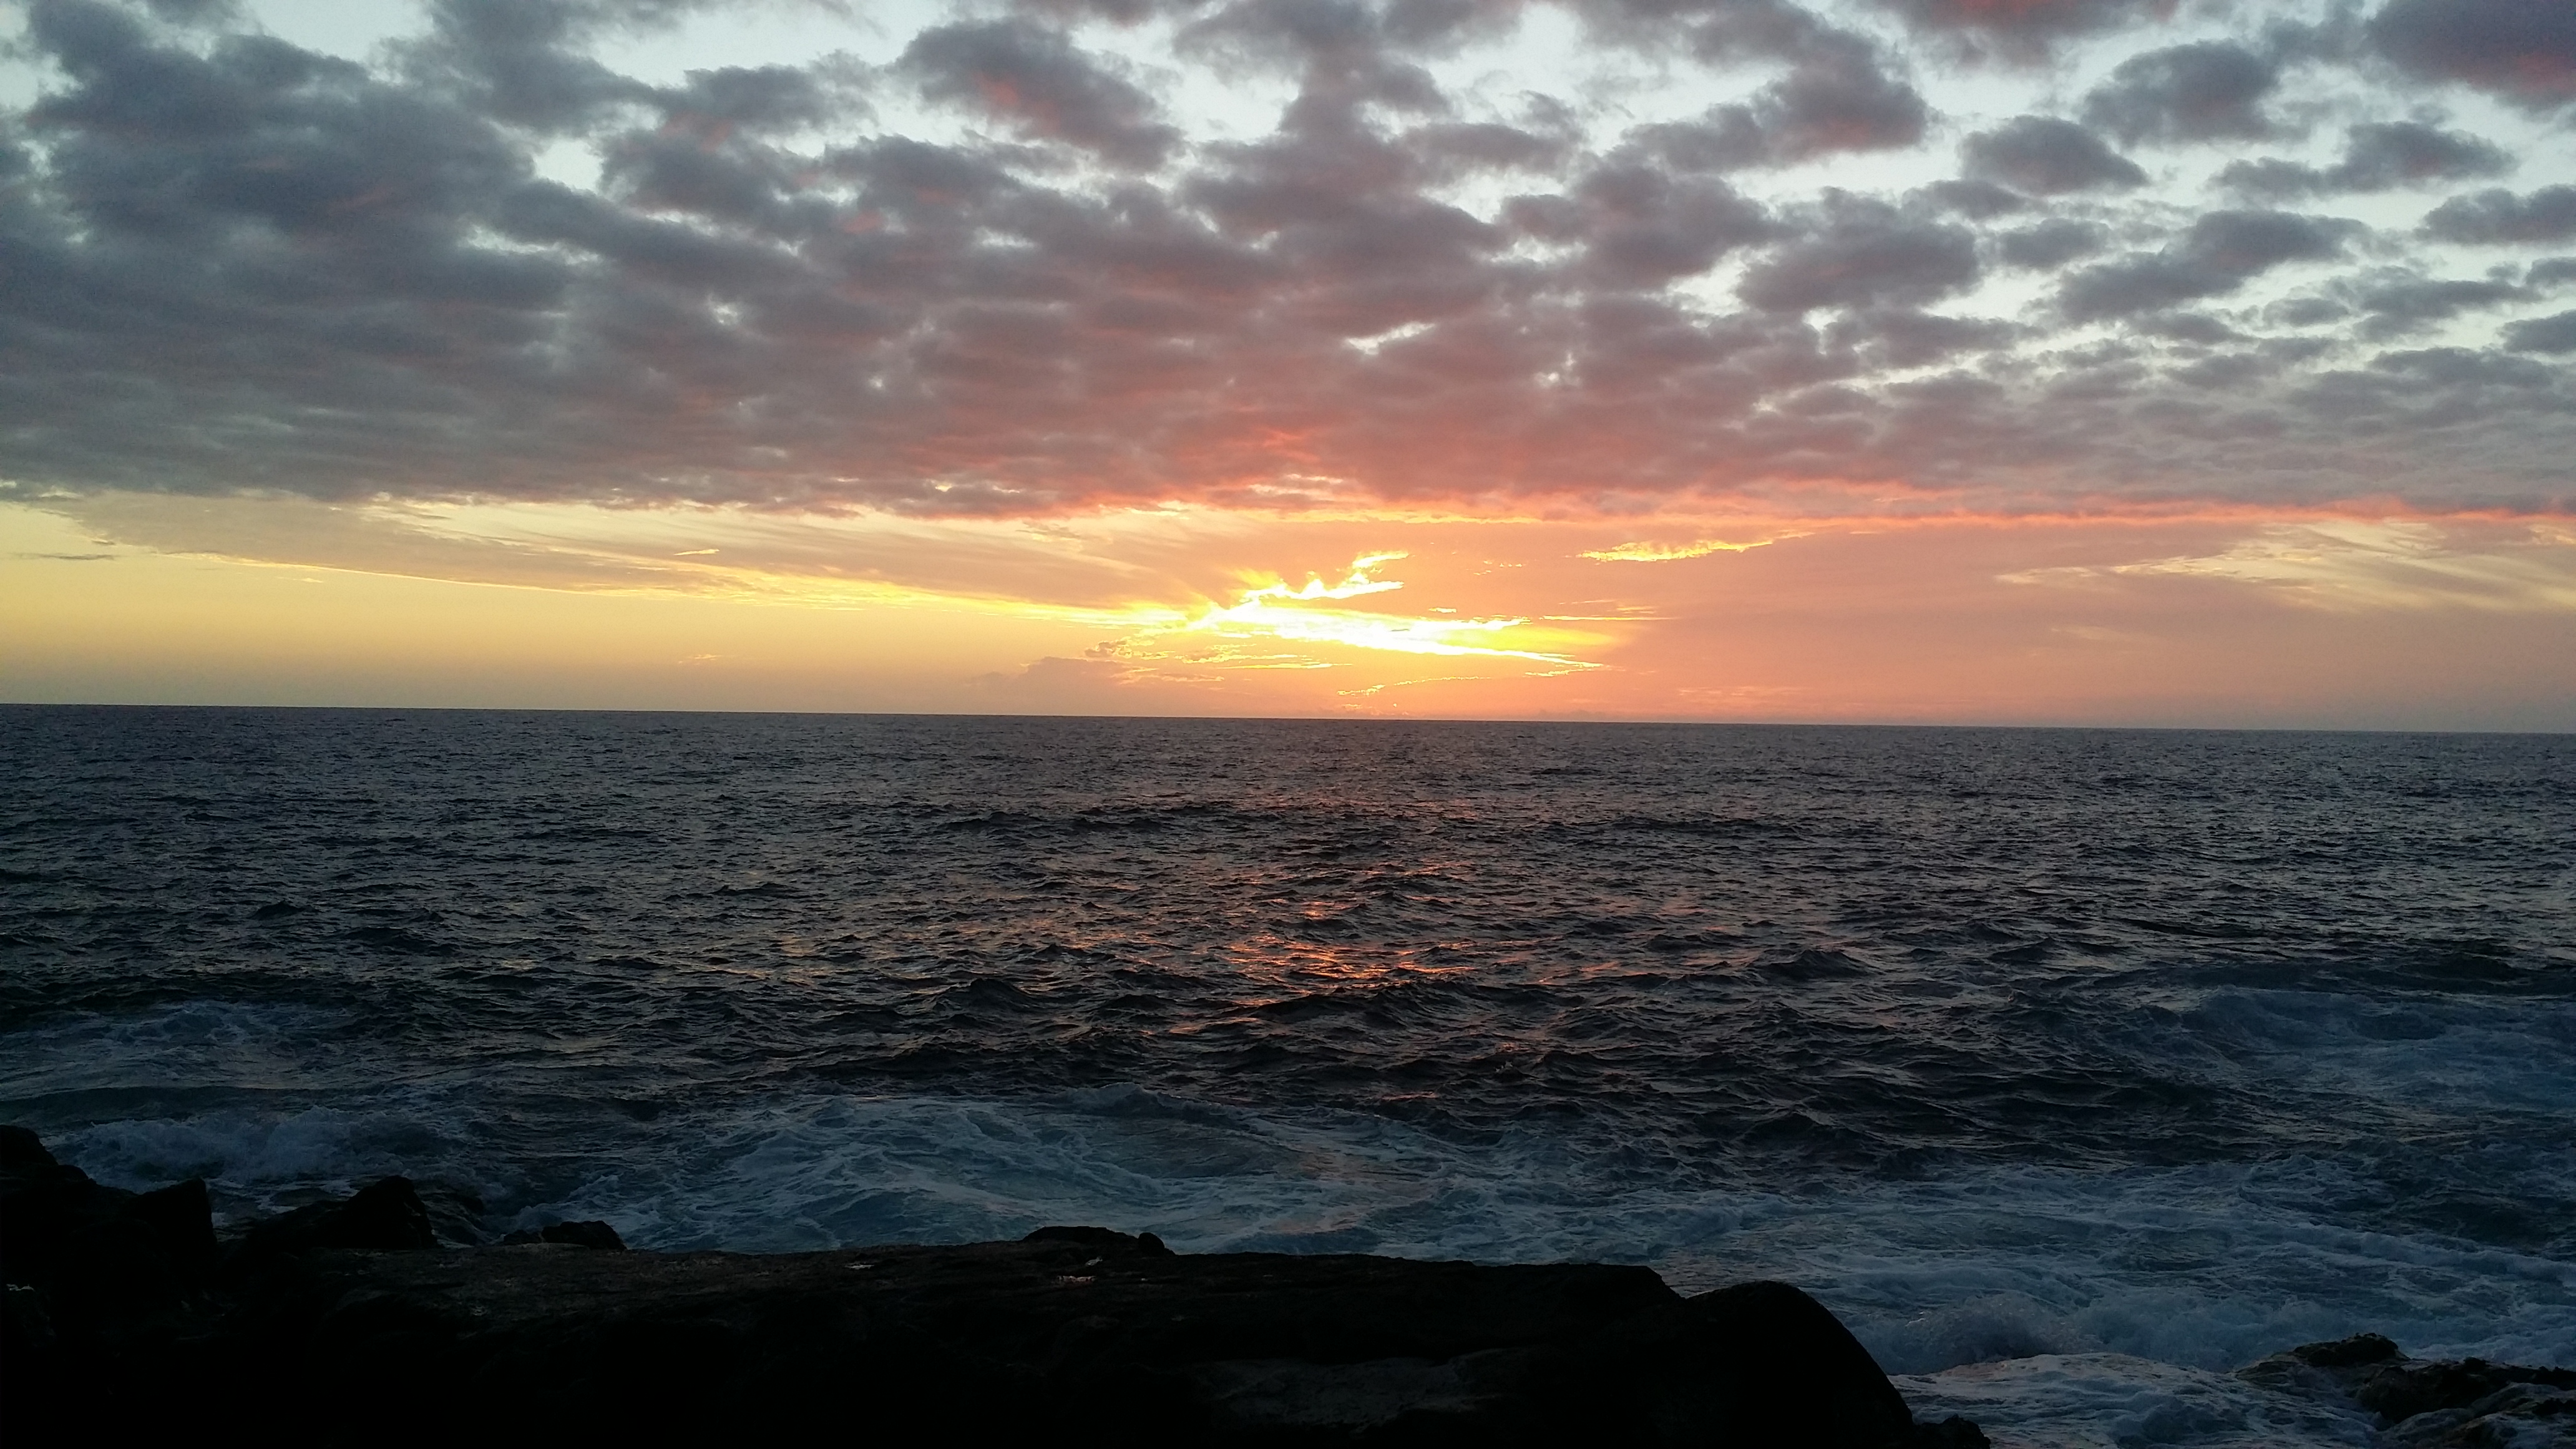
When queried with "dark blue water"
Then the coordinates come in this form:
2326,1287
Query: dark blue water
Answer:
2046,1050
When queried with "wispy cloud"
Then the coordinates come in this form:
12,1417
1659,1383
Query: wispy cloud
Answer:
1669,552
2387,564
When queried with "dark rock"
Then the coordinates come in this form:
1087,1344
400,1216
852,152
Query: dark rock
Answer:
1757,1363
2353,1352
94,1257
455,1215
21,1149
2461,1402
183,1217
1087,1334
592,1234
386,1215
1101,1240
2403,1390
26,1327
1951,1433
2522,1414
325,1327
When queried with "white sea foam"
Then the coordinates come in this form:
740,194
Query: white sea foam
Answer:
2206,1267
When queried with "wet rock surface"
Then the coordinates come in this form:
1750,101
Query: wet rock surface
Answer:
2430,1404
348,1320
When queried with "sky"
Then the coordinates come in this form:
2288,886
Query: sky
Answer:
2127,362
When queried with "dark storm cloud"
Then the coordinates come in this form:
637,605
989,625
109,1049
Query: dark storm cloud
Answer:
2523,49
1029,76
2047,156
2499,217
2220,252
231,264
2202,92
2377,157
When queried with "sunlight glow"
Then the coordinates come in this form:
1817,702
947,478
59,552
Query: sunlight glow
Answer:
1276,611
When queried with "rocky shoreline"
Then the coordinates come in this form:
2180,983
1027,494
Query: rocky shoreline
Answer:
352,1321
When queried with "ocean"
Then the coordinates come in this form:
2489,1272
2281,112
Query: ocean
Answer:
2071,1068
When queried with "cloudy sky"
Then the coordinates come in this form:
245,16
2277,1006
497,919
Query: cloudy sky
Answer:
2119,361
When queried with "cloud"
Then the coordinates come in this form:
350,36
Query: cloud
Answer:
2047,156
2556,334
2499,217
2401,304
2220,253
1650,552
2378,156
2205,91
1032,78
1837,95
2051,244
1839,98
1013,273
2522,49
1857,252
2025,27
2385,565
518,60
1641,227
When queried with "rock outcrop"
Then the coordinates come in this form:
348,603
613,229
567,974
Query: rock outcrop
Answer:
2429,1404
346,1321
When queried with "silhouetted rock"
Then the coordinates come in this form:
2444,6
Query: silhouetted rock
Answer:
386,1215
92,1258
330,1324
1105,1240
455,1215
2422,1403
2360,1350
21,1149
591,1234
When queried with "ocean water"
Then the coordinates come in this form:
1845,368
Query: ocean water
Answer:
2072,1068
